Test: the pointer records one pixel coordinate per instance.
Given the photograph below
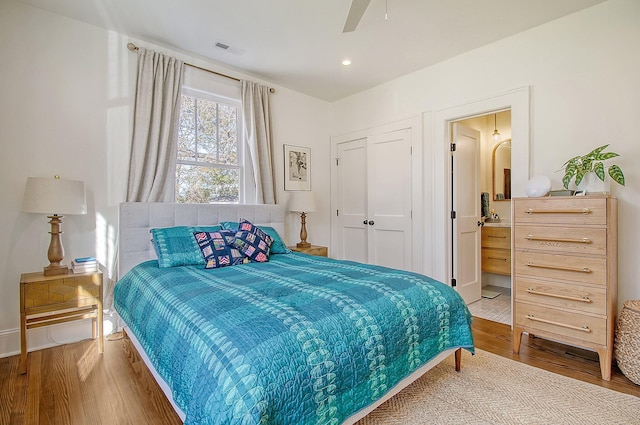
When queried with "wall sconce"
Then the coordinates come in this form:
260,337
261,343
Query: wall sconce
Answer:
54,196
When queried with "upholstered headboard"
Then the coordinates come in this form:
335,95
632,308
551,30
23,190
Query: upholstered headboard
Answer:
137,218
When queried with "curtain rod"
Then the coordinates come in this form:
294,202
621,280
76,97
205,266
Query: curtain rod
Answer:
134,48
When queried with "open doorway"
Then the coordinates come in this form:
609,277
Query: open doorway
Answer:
493,179
518,101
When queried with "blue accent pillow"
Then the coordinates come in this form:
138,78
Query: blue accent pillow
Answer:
277,247
175,246
252,242
217,249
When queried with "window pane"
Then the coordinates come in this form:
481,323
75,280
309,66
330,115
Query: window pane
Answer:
227,116
187,129
207,131
204,185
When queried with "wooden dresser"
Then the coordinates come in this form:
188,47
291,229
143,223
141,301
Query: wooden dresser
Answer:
565,274
496,250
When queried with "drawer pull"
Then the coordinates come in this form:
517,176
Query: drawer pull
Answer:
569,269
583,328
497,258
583,211
544,239
564,297
497,236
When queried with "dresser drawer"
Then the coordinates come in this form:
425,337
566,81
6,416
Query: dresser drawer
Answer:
496,261
496,237
583,327
590,270
588,299
581,240
564,210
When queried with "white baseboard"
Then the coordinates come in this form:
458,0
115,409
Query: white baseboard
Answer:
9,342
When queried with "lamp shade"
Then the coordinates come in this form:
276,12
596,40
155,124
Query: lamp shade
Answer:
54,196
302,201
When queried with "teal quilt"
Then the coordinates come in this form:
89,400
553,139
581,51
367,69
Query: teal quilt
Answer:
297,340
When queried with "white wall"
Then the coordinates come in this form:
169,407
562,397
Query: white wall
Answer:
583,76
65,109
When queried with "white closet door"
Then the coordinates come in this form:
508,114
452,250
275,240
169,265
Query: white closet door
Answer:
352,201
373,192
389,206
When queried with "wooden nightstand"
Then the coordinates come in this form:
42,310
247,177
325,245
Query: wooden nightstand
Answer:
65,298
320,251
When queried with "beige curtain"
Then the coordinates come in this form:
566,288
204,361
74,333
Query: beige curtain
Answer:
152,166
257,133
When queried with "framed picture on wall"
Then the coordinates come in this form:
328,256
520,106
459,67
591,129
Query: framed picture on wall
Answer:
297,168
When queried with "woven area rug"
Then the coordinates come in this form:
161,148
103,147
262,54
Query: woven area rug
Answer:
493,390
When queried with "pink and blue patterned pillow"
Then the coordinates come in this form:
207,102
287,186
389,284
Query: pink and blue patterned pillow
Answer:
217,249
252,242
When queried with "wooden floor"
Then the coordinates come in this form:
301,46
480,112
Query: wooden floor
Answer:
73,384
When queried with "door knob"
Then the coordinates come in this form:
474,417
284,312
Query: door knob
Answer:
371,223
364,222
480,224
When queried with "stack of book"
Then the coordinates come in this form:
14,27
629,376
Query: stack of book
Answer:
84,265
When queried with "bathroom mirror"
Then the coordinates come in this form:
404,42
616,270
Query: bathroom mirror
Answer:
501,169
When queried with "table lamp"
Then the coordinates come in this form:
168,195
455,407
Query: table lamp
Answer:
302,202
54,196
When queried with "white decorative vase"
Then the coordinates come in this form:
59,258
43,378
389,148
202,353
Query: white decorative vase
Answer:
592,185
538,186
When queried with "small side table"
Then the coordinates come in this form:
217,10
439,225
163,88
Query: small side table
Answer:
320,251
66,297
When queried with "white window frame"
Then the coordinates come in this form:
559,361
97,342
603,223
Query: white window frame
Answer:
242,167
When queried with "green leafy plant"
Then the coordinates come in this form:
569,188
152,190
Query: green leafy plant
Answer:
578,166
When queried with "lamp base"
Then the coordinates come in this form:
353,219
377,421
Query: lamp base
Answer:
303,245
56,250
56,270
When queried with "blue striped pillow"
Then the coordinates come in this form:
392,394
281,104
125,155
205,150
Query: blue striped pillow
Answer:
176,246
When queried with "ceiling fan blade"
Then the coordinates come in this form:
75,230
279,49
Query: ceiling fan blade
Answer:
355,14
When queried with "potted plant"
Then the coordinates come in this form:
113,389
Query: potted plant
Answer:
578,167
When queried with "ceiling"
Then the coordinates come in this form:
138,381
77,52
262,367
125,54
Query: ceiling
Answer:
299,44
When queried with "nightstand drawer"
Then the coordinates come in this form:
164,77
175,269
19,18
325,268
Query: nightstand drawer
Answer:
582,327
317,250
581,240
570,210
587,299
591,270
76,291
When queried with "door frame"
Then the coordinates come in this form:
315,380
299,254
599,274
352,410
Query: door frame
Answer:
415,124
438,255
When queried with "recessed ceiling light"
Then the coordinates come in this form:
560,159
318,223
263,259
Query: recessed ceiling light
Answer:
346,62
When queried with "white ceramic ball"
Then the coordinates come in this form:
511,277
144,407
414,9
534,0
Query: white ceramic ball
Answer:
538,186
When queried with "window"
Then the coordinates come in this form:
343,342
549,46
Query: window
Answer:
209,166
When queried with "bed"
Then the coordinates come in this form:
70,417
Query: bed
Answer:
297,339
